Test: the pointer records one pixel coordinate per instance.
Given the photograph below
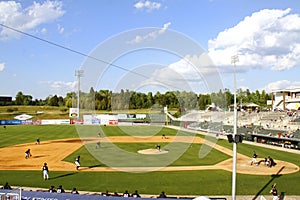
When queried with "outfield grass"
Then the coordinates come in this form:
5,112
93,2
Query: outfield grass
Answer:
189,158
13,135
204,182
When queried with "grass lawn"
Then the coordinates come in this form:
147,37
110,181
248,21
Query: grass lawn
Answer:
204,182
13,135
189,158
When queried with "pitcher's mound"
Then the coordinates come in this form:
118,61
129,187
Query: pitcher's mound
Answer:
153,151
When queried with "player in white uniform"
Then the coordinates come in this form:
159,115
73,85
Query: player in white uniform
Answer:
77,162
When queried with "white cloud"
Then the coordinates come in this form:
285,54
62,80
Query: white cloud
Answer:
152,35
282,84
149,6
60,87
266,39
2,66
190,73
191,65
24,19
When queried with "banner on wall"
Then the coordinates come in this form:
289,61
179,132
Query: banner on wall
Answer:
91,119
76,121
55,121
10,122
107,119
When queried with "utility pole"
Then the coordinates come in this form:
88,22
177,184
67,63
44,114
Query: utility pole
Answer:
234,60
79,74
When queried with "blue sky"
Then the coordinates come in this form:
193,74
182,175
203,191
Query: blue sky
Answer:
265,35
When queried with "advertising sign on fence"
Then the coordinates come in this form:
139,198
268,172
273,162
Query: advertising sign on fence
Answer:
10,122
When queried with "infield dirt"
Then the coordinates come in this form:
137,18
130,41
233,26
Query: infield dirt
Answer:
53,152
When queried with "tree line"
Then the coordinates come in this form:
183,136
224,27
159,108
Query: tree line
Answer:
125,99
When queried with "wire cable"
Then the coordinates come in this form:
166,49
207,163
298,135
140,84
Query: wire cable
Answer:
72,50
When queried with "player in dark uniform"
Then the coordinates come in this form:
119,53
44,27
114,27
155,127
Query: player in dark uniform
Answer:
45,171
98,145
254,161
27,153
158,147
274,192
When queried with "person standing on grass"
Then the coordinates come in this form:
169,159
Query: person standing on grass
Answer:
77,162
98,145
158,147
274,192
45,171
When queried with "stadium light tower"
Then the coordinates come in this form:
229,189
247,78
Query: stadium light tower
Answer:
234,60
79,74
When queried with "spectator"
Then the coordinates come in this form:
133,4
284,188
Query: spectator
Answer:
74,191
106,193
52,189
126,194
162,195
6,186
60,189
115,194
136,194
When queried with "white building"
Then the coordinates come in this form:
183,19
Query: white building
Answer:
286,99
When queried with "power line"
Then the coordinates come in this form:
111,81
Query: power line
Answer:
84,54
72,50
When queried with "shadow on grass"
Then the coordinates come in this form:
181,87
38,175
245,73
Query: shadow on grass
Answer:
273,176
63,175
93,166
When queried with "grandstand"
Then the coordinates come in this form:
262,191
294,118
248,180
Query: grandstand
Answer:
275,128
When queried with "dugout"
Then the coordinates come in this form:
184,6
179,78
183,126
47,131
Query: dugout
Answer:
292,143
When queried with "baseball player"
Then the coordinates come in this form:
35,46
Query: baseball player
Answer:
254,161
77,162
45,171
274,192
27,153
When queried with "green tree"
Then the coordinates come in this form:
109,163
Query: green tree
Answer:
204,101
19,98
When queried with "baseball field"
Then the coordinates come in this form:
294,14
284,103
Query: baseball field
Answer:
113,160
